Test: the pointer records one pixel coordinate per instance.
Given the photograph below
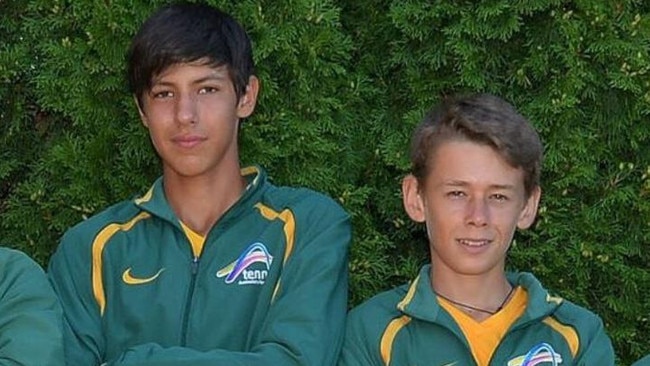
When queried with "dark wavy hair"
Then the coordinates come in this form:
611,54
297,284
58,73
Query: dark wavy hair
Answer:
186,33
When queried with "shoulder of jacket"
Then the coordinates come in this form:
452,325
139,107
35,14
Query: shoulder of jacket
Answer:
572,312
21,276
12,259
302,201
375,313
584,321
118,213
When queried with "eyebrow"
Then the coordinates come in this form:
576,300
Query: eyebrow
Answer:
461,183
211,77
201,80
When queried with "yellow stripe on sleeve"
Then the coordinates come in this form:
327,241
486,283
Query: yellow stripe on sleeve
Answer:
98,248
568,332
286,216
387,339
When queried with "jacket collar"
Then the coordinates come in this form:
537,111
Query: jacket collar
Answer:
155,202
420,301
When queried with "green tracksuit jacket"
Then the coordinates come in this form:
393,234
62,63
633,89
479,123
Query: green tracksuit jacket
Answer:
30,315
269,288
407,327
645,361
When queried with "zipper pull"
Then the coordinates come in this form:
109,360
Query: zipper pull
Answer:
195,265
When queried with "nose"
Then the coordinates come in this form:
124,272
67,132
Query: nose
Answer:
186,109
478,213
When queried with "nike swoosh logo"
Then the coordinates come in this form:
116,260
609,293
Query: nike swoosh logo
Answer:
451,363
130,280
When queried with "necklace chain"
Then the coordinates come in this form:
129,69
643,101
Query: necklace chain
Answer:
512,288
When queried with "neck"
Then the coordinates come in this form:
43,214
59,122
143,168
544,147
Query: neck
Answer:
480,296
199,202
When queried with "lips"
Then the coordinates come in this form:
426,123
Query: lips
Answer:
188,141
475,243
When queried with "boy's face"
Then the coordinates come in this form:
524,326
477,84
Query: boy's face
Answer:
472,201
192,114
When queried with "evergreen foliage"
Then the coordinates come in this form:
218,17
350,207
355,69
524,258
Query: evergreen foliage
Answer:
343,85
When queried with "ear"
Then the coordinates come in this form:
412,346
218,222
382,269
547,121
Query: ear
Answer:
247,102
143,117
529,212
413,202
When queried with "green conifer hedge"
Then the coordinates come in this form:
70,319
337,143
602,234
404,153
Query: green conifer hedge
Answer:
343,85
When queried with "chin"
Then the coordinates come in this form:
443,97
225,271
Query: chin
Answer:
475,269
186,171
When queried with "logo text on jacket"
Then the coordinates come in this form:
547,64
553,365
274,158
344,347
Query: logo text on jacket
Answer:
241,271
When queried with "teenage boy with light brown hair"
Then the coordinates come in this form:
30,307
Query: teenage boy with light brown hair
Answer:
475,179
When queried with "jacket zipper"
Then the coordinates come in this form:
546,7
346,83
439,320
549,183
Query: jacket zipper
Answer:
194,267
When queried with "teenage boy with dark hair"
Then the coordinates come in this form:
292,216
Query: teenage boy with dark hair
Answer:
30,314
475,179
214,265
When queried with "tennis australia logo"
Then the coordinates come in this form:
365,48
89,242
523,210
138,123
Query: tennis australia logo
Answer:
541,354
243,270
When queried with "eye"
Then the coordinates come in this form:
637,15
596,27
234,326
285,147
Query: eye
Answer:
208,90
162,94
499,197
456,194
